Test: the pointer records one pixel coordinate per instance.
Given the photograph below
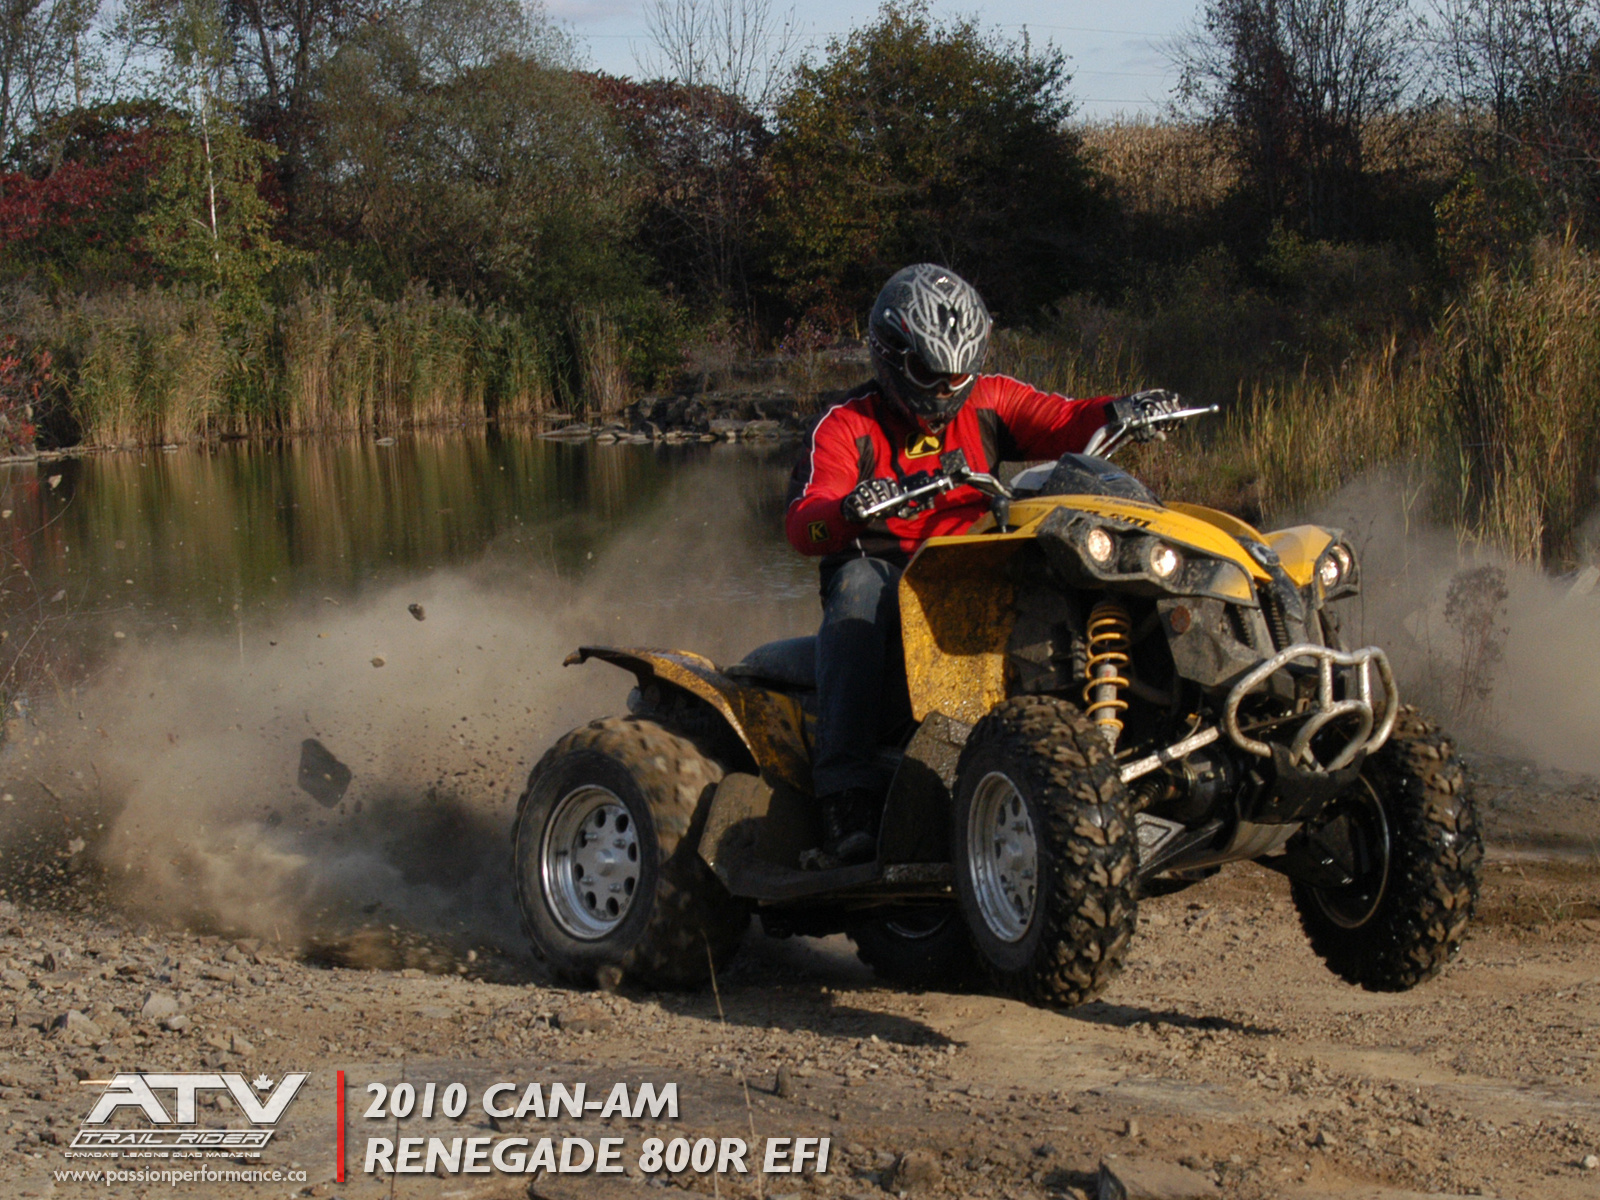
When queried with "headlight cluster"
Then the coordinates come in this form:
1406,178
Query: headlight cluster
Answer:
1336,571
1094,552
1131,557
1131,553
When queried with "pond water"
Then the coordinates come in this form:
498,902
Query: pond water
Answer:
194,537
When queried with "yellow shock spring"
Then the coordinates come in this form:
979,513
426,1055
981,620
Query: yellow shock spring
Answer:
1109,634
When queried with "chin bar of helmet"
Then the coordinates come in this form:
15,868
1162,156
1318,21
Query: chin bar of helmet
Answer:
1108,439
953,473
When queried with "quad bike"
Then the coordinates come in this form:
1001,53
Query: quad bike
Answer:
1113,696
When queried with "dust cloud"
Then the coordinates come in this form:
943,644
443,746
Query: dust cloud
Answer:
169,781
1503,654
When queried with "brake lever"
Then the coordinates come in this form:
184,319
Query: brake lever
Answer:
1183,414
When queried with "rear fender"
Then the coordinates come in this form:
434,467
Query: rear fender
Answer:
768,723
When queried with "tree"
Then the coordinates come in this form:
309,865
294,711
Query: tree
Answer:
740,48
486,167
700,153
698,126
69,215
207,222
1299,85
916,140
44,60
1526,75
277,51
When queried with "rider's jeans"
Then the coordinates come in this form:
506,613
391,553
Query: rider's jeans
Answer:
861,678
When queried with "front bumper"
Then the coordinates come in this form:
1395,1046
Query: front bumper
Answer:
1375,710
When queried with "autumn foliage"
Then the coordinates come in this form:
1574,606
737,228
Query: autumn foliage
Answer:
24,376
69,211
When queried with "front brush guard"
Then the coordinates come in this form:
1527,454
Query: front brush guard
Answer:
1375,725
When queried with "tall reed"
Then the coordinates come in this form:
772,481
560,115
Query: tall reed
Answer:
146,367
1308,436
1517,382
353,361
159,365
601,373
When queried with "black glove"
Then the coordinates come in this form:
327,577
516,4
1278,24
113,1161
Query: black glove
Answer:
1142,412
868,494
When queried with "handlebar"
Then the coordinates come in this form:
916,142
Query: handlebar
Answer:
953,472
1111,436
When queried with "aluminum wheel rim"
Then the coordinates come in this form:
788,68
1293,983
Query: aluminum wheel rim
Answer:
1003,857
1352,906
589,862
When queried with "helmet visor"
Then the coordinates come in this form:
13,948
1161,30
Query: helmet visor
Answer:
921,375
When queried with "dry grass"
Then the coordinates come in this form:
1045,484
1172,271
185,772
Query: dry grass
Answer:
1166,168
1162,168
149,367
601,358
1496,411
351,361
1516,380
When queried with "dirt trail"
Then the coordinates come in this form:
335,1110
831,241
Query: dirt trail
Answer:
1225,1048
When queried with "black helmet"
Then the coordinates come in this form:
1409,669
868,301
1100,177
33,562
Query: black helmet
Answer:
929,332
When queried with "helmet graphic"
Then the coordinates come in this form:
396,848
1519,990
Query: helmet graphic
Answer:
928,333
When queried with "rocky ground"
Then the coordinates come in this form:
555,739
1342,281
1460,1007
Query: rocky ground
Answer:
1225,1057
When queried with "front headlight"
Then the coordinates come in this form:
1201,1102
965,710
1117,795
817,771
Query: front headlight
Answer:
1330,571
1165,561
1336,570
1090,550
1100,546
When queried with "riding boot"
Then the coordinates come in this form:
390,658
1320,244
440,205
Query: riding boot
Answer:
850,826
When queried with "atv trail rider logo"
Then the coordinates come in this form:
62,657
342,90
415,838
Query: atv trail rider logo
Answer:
173,1128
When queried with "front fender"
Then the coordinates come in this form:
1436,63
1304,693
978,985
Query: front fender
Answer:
957,607
768,723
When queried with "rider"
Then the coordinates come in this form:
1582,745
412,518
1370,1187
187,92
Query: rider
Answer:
928,334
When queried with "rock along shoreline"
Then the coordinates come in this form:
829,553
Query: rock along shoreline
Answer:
765,416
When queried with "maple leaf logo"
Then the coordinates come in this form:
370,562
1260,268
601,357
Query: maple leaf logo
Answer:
262,1083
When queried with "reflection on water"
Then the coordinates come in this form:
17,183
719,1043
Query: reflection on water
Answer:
188,538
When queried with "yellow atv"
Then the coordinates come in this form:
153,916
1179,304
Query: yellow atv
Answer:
1112,696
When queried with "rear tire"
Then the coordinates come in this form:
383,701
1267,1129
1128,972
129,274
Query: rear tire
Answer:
1421,857
1044,850
608,881
917,947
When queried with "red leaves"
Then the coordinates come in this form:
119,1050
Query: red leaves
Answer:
75,193
24,375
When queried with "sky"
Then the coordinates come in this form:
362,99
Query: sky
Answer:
1115,50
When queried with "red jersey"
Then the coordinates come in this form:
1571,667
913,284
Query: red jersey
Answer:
865,437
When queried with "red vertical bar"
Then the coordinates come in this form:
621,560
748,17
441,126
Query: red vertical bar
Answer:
338,1108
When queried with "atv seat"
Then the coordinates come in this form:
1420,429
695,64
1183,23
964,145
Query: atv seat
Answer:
790,664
